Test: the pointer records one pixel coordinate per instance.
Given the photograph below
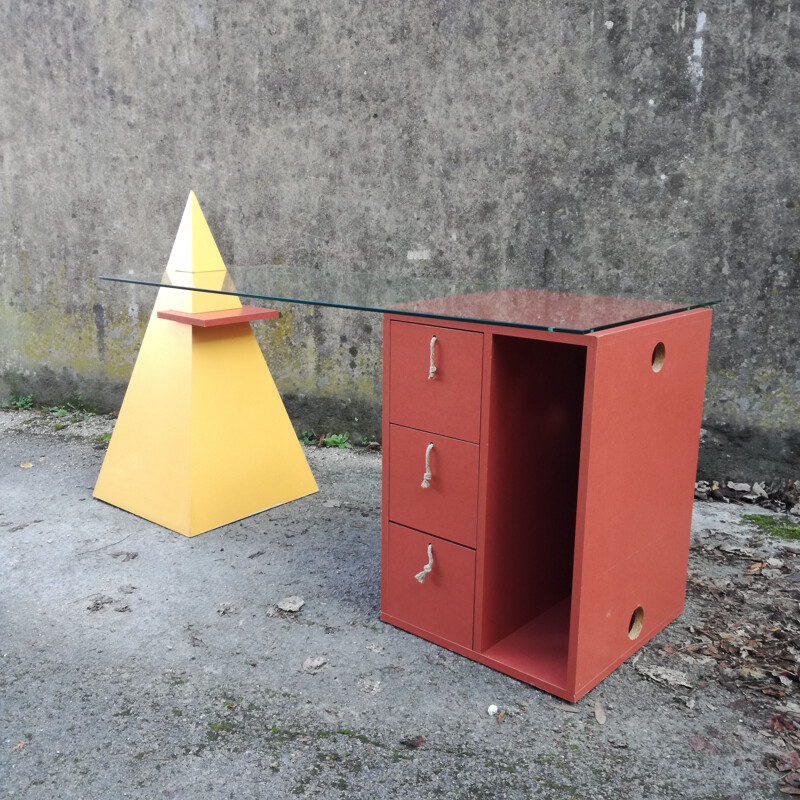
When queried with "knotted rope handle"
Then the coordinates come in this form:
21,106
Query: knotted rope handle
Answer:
420,576
432,368
426,478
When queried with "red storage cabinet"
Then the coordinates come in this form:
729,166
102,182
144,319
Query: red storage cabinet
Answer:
550,563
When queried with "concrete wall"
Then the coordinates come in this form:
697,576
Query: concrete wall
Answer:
594,145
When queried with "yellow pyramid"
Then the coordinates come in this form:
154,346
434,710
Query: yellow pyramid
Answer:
202,437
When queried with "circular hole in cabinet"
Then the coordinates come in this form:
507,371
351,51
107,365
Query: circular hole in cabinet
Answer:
636,623
659,354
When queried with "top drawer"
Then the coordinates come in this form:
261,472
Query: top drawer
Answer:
435,379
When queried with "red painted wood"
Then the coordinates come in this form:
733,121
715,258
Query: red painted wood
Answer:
448,506
586,464
442,604
636,500
538,648
385,475
450,402
532,476
209,319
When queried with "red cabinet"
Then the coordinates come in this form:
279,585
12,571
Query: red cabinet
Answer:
551,561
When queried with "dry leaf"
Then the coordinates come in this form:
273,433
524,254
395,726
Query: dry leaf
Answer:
314,664
599,712
752,672
781,723
100,602
669,677
785,762
500,717
26,465
415,742
564,707
126,555
21,746
699,744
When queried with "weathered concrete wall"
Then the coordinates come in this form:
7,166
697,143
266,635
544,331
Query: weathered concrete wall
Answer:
593,145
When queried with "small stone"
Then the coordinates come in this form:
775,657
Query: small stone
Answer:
291,604
492,710
314,664
618,741
758,488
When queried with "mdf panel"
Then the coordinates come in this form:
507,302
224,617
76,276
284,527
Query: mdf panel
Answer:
532,482
441,603
435,381
447,504
641,456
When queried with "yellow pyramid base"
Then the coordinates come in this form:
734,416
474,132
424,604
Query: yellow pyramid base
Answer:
202,438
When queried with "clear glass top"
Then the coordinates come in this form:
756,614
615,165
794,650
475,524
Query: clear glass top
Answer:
499,301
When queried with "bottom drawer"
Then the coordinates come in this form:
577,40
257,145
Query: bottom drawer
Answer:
443,602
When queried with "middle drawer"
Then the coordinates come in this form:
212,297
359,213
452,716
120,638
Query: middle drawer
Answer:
447,506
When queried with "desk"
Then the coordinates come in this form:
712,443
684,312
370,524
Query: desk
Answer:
539,456
544,477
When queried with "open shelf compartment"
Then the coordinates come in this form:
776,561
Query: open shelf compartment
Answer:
528,543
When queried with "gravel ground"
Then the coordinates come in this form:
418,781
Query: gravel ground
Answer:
136,663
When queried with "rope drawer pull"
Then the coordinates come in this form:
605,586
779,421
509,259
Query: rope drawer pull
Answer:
426,478
432,368
420,576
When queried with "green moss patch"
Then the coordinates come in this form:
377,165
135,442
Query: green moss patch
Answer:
783,527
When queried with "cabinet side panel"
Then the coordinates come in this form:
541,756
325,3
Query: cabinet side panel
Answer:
639,484
387,356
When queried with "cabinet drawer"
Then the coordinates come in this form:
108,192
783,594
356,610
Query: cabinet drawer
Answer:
448,505
435,379
442,604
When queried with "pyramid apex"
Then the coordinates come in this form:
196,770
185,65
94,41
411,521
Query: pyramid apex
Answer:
195,260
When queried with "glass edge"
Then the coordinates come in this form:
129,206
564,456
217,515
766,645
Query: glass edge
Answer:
429,315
